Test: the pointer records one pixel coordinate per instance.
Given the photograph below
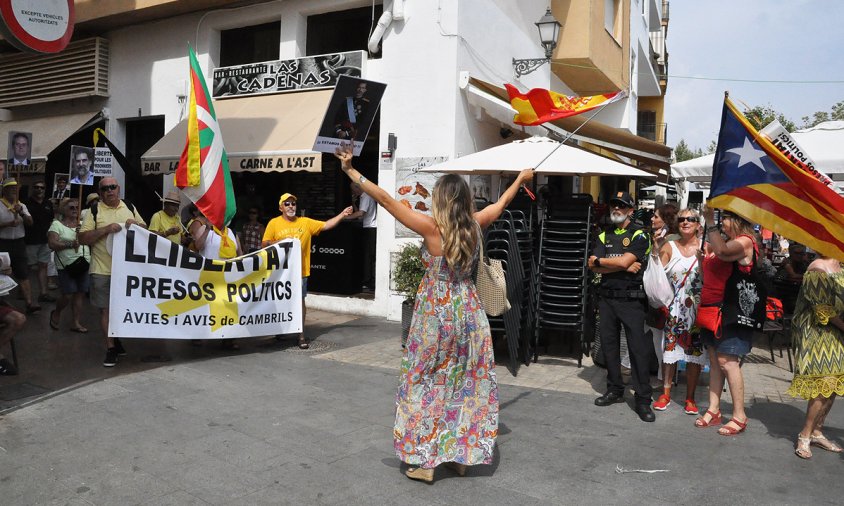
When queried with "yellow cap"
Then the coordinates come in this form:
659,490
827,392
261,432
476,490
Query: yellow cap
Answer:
10,182
286,196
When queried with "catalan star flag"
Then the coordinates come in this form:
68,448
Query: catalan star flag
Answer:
753,179
540,105
203,171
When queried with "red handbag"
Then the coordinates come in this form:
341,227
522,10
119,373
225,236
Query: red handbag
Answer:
709,318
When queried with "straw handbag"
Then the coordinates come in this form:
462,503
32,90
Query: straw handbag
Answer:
491,285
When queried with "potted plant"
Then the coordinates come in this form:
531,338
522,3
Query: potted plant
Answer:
407,274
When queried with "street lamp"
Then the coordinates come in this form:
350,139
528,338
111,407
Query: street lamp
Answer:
549,31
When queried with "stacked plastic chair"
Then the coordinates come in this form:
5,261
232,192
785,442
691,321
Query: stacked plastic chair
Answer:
563,280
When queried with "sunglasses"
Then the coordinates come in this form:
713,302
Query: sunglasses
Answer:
290,204
71,208
690,219
108,187
38,187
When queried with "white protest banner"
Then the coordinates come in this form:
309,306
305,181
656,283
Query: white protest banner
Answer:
103,162
162,290
783,140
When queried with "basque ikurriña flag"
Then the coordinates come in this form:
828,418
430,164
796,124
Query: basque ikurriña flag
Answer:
203,171
753,179
540,105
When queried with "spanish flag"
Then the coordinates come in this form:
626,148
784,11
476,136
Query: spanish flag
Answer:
203,171
753,179
539,105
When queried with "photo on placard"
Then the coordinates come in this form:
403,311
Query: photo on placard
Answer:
20,148
350,114
61,189
480,187
82,165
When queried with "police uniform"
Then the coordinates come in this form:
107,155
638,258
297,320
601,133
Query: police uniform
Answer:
622,301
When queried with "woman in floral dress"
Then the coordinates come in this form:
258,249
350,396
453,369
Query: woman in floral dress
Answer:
817,330
681,339
447,401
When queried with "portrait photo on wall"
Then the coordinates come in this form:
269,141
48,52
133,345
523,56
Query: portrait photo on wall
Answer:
81,165
60,187
20,148
350,114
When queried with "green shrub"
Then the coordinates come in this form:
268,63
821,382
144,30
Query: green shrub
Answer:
408,270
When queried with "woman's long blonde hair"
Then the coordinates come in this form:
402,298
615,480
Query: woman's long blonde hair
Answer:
453,210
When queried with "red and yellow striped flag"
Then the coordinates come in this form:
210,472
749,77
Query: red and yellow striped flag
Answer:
753,179
203,171
540,105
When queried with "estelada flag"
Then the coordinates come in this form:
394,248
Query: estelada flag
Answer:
753,179
203,171
540,105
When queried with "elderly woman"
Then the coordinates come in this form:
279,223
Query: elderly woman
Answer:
681,339
817,331
729,264
61,238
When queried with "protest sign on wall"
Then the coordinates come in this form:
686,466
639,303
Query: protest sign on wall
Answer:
162,290
103,162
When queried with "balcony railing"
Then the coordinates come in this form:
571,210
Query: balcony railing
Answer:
653,131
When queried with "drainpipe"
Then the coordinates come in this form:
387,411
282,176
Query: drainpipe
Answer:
375,39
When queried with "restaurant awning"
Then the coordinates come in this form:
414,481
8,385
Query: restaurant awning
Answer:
617,140
47,134
262,133
546,155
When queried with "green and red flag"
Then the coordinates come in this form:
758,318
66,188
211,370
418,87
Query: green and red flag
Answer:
203,171
539,105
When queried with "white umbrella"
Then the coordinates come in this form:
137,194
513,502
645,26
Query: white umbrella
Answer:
522,154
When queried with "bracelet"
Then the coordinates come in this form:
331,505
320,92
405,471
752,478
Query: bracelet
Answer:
362,179
712,228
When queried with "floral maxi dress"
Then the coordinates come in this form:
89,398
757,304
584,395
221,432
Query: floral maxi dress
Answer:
447,401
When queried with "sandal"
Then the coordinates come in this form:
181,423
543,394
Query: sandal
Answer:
822,442
80,329
460,469
726,430
53,324
714,419
303,344
421,474
802,449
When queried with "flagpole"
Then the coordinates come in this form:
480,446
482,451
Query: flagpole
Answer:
570,134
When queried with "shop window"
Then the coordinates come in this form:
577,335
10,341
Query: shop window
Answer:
141,134
336,32
250,44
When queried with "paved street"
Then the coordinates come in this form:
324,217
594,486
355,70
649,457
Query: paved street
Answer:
271,424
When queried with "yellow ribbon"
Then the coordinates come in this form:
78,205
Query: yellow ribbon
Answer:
227,247
97,132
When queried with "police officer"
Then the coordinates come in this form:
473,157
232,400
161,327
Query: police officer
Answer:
619,257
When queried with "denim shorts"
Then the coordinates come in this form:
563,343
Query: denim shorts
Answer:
69,284
735,340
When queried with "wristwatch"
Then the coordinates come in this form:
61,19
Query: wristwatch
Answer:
362,179
597,262
711,228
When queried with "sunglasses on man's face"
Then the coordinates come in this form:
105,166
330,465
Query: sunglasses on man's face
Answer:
108,187
690,219
38,187
290,204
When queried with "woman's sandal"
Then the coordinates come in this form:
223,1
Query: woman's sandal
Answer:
460,469
802,449
303,343
824,443
53,324
421,474
726,430
715,419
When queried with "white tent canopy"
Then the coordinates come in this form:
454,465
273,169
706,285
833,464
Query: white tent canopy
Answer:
523,154
823,143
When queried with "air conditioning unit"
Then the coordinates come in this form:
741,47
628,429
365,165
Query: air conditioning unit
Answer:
81,70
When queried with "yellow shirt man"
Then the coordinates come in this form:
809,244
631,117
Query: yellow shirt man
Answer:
161,222
301,228
100,256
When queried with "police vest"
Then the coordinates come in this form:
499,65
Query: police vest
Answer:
616,244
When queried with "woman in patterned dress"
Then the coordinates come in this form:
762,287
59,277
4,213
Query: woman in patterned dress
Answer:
817,332
681,339
447,400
